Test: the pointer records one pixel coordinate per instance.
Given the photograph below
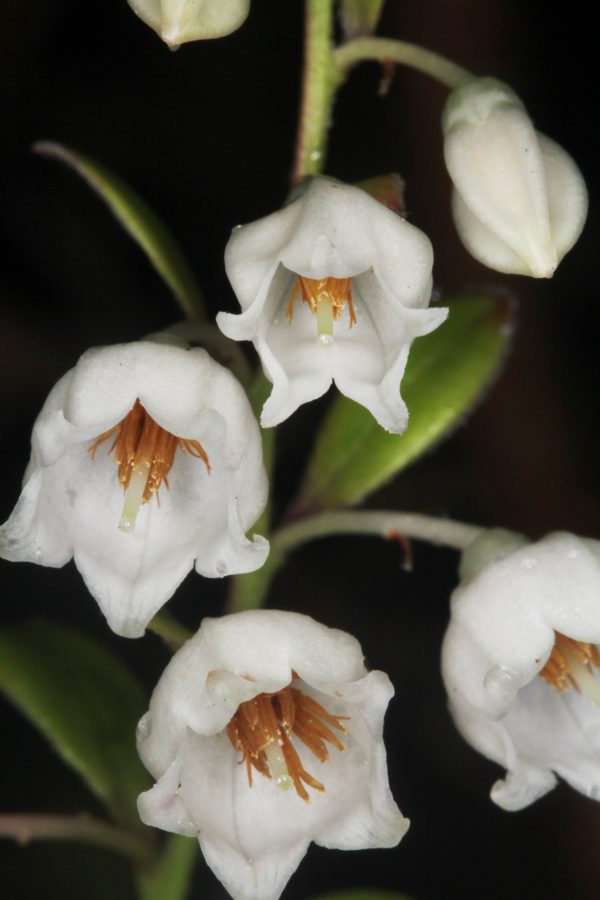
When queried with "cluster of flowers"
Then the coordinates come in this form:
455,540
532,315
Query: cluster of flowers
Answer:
146,460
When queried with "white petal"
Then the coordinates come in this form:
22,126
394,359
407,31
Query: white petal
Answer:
371,358
369,817
252,838
179,21
34,531
567,195
225,664
519,201
483,243
496,607
162,806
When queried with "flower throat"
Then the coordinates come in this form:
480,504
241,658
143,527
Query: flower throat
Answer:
262,728
144,454
571,665
327,299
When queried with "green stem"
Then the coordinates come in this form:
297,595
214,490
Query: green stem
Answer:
385,50
385,524
84,829
319,83
171,875
170,629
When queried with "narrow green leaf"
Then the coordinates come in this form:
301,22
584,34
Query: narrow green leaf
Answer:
447,373
360,17
170,878
362,894
141,222
84,701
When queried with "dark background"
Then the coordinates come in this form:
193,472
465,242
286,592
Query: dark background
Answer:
206,136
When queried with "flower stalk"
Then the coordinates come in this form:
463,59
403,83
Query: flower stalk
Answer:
169,629
83,829
386,524
250,591
401,52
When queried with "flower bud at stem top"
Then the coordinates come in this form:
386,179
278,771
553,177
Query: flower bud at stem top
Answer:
519,201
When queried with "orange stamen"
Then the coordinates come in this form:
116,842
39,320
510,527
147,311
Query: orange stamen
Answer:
336,291
558,669
138,442
270,720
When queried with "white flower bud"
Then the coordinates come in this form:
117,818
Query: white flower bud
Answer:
180,21
519,201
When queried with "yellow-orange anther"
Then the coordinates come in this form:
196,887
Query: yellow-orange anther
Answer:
267,723
140,444
336,292
566,662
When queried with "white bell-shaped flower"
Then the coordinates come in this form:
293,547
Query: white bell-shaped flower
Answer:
146,458
519,201
180,21
264,733
333,287
520,662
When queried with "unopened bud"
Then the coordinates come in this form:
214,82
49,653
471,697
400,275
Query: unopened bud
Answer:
519,201
180,21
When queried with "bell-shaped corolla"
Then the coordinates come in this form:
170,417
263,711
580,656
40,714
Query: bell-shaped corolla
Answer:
264,733
146,460
333,287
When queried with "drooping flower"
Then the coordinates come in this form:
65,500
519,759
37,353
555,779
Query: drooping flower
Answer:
180,21
520,660
264,733
146,458
519,201
333,286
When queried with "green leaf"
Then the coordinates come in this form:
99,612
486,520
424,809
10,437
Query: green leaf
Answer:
360,17
447,373
141,222
362,894
84,701
170,879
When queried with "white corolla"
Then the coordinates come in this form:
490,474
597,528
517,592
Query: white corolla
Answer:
333,287
520,660
264,733
146,459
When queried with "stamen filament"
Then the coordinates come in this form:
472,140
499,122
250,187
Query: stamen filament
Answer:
144,453
262,730
571,665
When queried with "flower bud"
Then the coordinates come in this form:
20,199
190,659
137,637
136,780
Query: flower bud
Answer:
180,21
519,201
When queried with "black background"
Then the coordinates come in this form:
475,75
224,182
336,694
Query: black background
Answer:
206,136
